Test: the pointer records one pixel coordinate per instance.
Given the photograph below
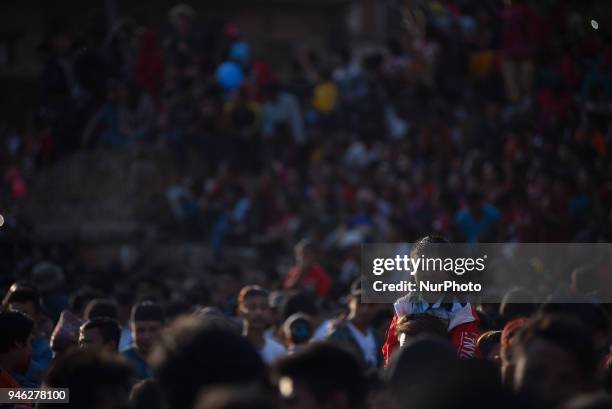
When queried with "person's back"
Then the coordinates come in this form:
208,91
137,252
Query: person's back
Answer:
321,375
235,397
146,394
456,384
192,355
96,379
555,360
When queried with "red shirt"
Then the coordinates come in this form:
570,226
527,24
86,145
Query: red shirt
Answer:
463,337
316,277
7,381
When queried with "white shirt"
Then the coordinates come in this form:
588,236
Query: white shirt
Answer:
272,350
367,344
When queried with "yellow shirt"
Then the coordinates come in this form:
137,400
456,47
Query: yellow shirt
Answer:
324,97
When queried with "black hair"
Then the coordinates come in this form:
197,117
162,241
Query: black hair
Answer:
567,333
298,302
124,297
236,397
93,377
147,311
590,314
429,247
325,369
517,303
22,293
15,328
191,355
424,244
488,341
108,327
462,383
80,299
486,321
249,291
101,307
421,324
147,394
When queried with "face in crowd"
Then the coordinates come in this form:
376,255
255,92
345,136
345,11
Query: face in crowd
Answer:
362,313
90,338
100,333
254,309
146,324
145,334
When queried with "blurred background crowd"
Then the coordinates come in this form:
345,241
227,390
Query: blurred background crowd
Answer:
481,121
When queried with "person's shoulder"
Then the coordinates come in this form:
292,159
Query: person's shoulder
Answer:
339,329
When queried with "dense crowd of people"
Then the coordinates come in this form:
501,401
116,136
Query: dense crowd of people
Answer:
281,350
482,121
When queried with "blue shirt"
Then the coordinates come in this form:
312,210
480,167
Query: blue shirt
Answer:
473,229
143,370
39,363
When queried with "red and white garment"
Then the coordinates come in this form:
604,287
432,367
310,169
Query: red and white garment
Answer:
461,318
